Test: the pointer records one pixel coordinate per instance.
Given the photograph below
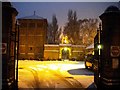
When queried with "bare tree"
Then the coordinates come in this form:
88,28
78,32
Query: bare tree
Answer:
88,29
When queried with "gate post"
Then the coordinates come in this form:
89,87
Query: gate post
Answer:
8,37
109,56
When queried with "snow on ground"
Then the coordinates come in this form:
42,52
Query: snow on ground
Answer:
47,73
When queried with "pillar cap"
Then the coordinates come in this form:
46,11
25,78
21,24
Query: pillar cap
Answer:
112,9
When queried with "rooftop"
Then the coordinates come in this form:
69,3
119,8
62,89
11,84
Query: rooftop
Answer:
112,9
34,16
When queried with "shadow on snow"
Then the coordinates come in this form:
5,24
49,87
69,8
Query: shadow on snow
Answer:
81,71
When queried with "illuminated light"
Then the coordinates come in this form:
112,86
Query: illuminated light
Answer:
65,48
53,67
16,48
99,46
65,40
70,66
93,53
99,74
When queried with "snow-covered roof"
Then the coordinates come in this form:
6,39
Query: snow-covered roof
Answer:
32,17
51,45
78,45
90,47
65,44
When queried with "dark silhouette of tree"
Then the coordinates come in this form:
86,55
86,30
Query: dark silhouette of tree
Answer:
72,27
58,33
52,31
49,34
78,31
54,27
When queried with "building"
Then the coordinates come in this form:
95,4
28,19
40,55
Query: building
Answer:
64,51
33,30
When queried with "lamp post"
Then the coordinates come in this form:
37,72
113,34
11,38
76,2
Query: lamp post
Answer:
17,52
99,52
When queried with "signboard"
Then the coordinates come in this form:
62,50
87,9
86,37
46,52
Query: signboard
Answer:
4,48
115,63
115,51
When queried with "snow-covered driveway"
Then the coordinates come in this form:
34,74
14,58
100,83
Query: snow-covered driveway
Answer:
53,74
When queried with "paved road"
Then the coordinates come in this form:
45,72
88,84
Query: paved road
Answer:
54,74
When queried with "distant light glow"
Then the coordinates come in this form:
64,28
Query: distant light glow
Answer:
99,46
53,66
65,48
93,53
64,67
48,65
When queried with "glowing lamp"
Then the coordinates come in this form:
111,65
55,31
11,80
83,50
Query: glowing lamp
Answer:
99,46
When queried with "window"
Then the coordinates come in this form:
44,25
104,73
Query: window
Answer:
30,49
23,25
39,25
31,25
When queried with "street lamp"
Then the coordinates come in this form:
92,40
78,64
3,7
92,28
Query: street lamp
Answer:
99,46
17,50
